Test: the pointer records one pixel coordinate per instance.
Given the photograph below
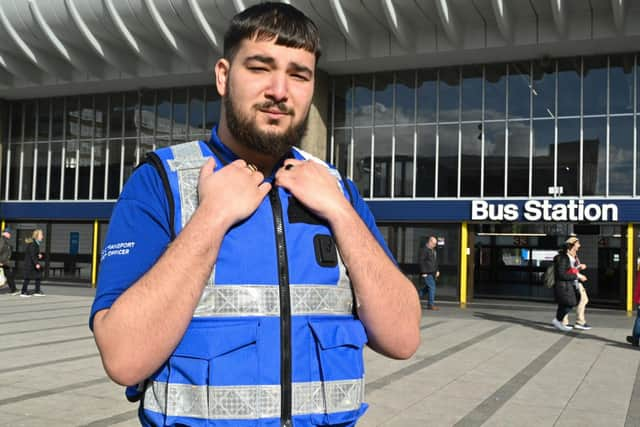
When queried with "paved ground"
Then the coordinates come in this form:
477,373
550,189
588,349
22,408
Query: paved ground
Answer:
491,364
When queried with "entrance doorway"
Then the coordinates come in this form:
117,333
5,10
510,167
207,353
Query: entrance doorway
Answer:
509,260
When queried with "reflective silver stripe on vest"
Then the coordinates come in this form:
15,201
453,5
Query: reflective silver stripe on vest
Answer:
187,161
264,300
252,402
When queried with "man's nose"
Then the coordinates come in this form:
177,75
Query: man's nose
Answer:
278,88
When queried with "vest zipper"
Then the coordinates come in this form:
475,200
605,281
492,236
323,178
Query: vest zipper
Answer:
285,311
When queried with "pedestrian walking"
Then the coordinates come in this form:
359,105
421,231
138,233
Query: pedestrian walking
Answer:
566,273
33,263
5,257
429,271
581,293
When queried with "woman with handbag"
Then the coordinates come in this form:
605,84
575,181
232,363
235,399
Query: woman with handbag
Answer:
567,274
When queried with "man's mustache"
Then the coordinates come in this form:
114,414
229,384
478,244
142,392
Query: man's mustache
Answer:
282,106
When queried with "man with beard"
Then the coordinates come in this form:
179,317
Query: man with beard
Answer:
241,277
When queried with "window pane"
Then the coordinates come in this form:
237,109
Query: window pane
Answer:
470,161
16,122
427,96
43,119
569,87
130,160
147,122
544,89
131,114
472,92
594,149
543,154
99,159
212,108
403,186
595,85
342,101
116,116
448,161
57,131
518,166
56,170
86,116
102,112
179,112
73,118
70,165
164,114
84,171
569,156
196,112
383,101
426,159
621,156
495,100
113,174
362,160
449,91
362,100
27,170
41,173
382,162
494,135
342,151
621,84
405,97
29,120
14,171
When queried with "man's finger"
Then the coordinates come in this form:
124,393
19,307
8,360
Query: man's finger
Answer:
208,168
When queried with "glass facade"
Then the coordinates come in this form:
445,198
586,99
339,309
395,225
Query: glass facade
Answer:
550,127
85,147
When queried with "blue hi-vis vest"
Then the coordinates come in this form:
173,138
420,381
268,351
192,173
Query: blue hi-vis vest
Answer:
274,339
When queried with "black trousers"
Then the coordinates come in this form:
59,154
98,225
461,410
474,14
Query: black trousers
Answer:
25,284
562,311
10,274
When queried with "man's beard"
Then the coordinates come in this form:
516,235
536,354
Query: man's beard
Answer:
247,133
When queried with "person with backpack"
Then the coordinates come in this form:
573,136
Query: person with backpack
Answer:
5,256
567,273
581,293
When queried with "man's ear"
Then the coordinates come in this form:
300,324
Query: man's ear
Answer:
221,70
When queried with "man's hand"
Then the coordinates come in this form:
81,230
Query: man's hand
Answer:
235,192
437,274
314,186
582,277
582,267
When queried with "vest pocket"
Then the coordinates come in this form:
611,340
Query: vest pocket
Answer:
339,345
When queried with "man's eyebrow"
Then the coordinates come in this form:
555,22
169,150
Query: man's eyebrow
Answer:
298,68
261,58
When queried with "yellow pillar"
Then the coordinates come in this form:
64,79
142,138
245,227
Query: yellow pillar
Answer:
463,263
2,225
631,266
94,261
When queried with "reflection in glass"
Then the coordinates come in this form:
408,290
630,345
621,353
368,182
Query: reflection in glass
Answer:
131,115
73,118
101,115
57,124
448,160
544,89
427,96
472,92
27,170
569,156
113,173
403,186
84,170
405,97
594,150
56,170
116,115
179,113
449,94
86,116
569,86
130,158
470,163
621,84
69,169
29,115
621,156
342,101
342,151
42,150
495,88
196,113
383,99
16,122
163,118
147,119
212,109
382,162
426,161
494,135
14,171
362,160
595,85
518,163
99,162
543,156
362,100
44,117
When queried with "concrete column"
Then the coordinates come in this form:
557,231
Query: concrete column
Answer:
318,127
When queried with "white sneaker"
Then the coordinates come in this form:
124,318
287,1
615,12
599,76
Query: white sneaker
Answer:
559,326
584,327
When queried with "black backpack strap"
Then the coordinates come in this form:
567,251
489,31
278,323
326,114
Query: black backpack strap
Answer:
154,160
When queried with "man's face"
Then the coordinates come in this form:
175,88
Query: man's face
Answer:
432,243
266,93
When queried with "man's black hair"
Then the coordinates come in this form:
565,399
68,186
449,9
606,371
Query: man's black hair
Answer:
268,21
